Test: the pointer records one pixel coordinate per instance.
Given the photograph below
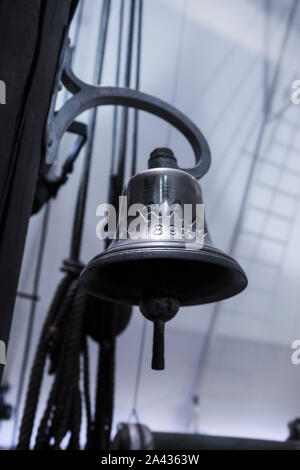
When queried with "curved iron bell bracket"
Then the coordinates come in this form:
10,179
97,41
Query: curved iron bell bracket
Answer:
87,96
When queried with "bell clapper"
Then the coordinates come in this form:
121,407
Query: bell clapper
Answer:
159,310
158,351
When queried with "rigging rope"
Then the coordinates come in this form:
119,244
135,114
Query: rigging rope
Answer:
134,413
100,437
137,87
117,83
124,120
82,194
178,62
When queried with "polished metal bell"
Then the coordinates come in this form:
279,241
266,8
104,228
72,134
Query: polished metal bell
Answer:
162,256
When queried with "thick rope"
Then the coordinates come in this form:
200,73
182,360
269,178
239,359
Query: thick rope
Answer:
38,369
53,405
86,384
64,404
62,341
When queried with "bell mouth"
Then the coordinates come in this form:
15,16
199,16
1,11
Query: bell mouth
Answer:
191,276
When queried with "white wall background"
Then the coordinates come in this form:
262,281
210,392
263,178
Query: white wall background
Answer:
207,57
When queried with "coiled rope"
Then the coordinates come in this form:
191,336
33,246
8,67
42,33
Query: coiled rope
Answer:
62,342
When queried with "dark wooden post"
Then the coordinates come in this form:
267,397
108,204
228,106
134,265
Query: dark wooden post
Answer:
31,36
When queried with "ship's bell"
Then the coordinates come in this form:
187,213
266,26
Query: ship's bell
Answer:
162,257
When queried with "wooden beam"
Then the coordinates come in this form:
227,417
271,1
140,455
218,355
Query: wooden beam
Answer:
31,37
